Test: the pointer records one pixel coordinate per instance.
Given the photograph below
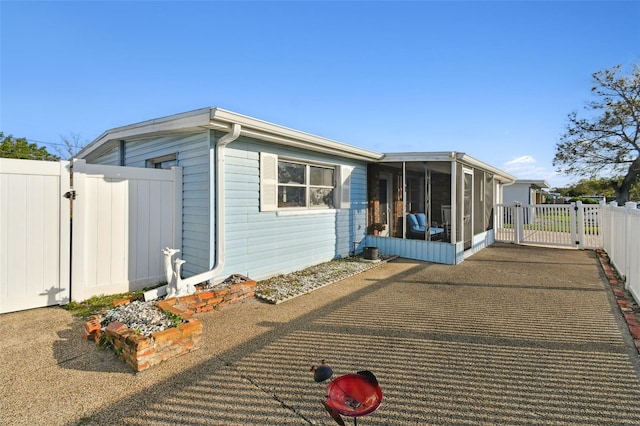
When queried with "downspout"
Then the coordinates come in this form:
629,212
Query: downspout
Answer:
217,216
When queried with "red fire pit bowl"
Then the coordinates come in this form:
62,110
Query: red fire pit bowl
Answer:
353,395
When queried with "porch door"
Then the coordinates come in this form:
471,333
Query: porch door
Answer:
467,209
386,195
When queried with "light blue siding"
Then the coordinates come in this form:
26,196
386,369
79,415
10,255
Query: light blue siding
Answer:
257,244
262,244
109,158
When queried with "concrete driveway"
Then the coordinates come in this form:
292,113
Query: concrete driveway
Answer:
514,336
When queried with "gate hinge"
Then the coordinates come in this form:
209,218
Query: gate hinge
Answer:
70,194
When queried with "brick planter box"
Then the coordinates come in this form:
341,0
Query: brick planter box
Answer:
204,299
142,352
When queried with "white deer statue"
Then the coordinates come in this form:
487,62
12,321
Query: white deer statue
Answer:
174,280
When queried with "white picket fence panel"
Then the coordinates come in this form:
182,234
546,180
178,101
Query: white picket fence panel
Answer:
108,240
575,225
621,241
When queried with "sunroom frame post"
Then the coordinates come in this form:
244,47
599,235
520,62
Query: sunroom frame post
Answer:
454,204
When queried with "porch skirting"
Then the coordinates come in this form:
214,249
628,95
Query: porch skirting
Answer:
429,251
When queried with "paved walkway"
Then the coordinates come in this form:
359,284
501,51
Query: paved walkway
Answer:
513,336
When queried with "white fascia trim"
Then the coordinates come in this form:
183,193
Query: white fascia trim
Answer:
447,156
275,133
223,120
537,184
500,175
417,156
174,123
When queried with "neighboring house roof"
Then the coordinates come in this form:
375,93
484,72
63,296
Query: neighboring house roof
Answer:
535,184
448,156
223,120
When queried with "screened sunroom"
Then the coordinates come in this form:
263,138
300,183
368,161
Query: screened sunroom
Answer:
434,206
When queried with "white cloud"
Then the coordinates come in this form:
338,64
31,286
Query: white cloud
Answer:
518,161
527,167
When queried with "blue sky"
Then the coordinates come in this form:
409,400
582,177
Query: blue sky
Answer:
493,79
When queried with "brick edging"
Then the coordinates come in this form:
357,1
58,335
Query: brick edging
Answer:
142,352
622,298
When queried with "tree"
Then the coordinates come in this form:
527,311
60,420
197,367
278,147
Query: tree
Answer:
72,144
11,147
602,186
606,143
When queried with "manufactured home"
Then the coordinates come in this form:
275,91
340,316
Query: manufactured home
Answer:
261,199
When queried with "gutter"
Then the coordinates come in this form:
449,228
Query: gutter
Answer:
217,216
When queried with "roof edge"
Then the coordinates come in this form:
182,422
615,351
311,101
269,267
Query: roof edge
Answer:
220,119
448,156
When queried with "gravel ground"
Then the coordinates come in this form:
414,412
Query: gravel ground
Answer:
284,287
143,317
146,318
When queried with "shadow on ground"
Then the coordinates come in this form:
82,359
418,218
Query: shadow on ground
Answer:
494,340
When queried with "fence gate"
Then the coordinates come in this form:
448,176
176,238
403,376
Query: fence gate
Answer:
109,239
576,225
34,234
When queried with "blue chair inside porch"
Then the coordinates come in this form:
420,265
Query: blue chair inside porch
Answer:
417,226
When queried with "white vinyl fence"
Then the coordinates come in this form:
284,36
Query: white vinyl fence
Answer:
109,239
575,225
34,234
621,241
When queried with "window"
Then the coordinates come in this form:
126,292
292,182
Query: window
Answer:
164,162
302,185
294,184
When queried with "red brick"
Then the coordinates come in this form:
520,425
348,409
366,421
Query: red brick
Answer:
221,293
187,300
138,342
145,353
635,331
191,327
166,335
87,335
141,366
92,325
235,288
116,327
166,304
206,295
175,310
123,301
188,346
215,301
